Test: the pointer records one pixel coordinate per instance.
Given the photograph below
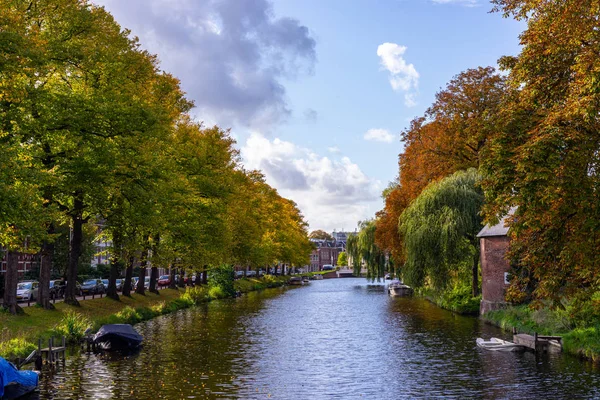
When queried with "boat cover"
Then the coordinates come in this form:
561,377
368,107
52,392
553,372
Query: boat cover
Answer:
9,374
124,331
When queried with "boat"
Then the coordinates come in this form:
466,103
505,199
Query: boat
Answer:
117,337
397,288
499,345
15,383
318,277
305,279
295,280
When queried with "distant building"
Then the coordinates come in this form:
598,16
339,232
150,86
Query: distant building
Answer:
495,268
326,252
27,262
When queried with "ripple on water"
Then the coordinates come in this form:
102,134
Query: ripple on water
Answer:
333,339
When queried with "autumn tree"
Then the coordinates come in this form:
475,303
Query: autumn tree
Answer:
451,136
546,157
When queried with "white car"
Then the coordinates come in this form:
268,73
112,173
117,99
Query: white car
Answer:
27,290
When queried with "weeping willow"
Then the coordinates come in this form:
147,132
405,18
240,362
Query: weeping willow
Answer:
362,248
439,230
353,253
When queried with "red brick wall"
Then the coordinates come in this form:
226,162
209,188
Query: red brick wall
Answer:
493,267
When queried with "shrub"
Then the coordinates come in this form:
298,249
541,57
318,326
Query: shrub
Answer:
222,277
216,292
196,294
17,347
73,326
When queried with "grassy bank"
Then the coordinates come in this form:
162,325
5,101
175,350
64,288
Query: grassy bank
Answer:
458,300
579,337
20,334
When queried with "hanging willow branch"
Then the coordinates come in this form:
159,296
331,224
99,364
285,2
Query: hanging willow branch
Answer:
439,230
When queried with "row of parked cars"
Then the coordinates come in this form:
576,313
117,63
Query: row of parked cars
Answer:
28,290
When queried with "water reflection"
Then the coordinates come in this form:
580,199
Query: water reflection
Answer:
341,338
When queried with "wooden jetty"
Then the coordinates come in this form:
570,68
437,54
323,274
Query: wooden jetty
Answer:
52,353
538,343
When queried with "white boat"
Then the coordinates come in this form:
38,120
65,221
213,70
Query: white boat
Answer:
305,280
397,288
318,277
499,345
295,280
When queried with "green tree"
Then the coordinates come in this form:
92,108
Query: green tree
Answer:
342,259
320,234
439,230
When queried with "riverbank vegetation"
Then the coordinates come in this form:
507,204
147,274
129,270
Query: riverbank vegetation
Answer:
530,133
20,333
98,143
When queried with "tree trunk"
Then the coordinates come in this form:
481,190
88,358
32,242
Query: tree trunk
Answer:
11,278
141,289
153,279
181,282
74,252
115,266
198,278
475,277
172,283
43,298
205,275
128,276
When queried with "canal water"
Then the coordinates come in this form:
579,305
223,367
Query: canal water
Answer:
332,339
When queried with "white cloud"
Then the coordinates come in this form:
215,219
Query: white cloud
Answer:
232,56
403,76
466,3
334,150
379,135
332,194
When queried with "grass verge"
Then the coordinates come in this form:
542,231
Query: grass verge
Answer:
583,341
20,334
458,300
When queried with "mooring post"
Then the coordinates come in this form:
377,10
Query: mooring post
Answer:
49,358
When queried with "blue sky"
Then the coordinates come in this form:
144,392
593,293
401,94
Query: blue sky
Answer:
317,92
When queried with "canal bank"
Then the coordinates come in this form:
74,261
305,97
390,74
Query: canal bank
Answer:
20,334
336,338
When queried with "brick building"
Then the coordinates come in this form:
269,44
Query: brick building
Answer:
327,251
495,268
27,262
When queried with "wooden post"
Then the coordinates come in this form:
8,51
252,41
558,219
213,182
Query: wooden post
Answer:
49,358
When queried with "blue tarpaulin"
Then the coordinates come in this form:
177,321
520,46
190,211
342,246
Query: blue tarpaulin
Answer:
9,374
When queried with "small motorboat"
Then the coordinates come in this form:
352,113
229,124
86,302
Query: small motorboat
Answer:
397,288
117,337
499,345
305,279
15,383
295,280
318,277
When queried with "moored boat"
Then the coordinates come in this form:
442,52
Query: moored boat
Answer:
117,337
499,345
305,279
397,288
15,383
295,280
318,277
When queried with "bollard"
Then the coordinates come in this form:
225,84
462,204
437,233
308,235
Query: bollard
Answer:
49,359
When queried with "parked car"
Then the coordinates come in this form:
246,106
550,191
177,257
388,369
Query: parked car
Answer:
120,284
164,280
327,267
27,290
147,282
251,273
239,274
57,289
92,286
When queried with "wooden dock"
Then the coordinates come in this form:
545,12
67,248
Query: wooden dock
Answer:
52,354
538,343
